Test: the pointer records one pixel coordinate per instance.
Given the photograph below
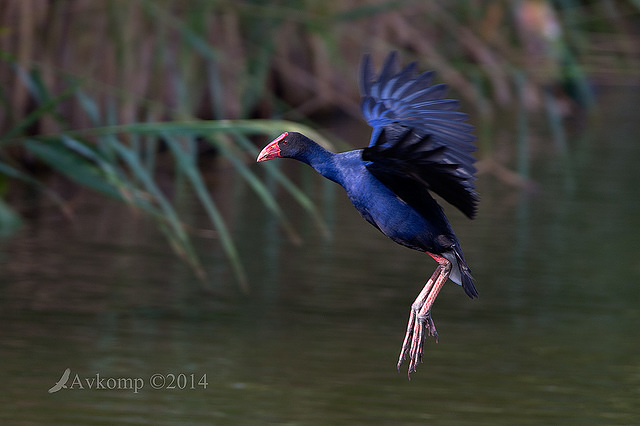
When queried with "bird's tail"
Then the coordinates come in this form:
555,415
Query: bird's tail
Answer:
460,272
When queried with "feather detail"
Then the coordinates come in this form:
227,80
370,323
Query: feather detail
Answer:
417,133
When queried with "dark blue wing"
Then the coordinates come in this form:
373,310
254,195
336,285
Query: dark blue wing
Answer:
412,161
433,143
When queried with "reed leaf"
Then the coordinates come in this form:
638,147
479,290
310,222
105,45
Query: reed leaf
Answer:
174,227
226,149
14,173
72,165
10,221
186,164
273,170
203,127
45,108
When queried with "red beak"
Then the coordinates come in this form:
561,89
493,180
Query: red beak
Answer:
272,150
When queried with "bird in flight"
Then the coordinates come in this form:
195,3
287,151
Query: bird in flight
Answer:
62,383
420,144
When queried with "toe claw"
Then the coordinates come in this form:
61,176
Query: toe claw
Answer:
420,326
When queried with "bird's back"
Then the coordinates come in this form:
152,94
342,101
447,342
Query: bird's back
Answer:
425,228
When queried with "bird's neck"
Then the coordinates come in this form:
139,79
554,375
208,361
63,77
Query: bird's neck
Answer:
322,160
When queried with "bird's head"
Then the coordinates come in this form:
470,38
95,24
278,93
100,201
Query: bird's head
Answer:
287,145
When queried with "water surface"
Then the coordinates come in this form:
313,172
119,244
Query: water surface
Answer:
552,339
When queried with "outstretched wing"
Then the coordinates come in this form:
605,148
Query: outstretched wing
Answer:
412,161
417,134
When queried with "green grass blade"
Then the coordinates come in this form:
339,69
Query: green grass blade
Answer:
10,221
202,127
45,108
259,188
177,232
188,166
90,107
73,166
113,174
14,173
239,128
200,45
295,192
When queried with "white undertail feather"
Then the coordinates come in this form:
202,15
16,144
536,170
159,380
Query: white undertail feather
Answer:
455,275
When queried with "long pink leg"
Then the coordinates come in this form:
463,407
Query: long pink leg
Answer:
415,308
420,315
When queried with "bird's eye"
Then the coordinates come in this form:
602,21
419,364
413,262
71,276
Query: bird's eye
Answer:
285,142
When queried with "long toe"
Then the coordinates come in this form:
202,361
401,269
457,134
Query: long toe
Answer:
430,325
408,338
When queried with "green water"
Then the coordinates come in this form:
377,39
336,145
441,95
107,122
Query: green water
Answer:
553,338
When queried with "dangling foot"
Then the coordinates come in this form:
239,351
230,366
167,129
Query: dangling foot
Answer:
420,322
419,327
428,323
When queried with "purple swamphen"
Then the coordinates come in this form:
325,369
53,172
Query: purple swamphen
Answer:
420,143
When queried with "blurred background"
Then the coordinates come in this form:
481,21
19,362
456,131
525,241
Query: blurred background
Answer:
138,236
